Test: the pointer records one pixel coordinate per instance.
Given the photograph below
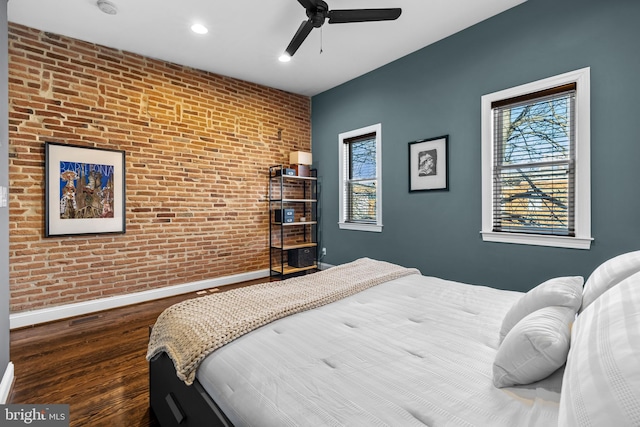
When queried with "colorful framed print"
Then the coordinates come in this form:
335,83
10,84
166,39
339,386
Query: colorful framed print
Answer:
84,190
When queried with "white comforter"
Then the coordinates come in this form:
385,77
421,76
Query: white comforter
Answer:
411,352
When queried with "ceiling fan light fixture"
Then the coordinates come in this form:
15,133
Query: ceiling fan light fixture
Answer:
199,29
107,7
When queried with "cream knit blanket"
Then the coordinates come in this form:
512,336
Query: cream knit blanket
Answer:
190,330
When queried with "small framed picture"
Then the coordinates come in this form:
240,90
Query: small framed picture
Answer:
84,190
428,164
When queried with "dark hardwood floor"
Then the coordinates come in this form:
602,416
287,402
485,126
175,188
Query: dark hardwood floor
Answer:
95,363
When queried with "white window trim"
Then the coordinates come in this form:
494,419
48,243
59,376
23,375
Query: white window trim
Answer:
582,239
377,227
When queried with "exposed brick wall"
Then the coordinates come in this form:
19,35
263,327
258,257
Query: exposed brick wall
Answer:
198,147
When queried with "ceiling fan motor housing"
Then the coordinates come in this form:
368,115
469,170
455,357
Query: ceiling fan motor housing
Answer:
318,14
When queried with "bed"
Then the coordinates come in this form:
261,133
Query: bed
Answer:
401,349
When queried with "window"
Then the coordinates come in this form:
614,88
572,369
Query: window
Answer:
361,179
535,163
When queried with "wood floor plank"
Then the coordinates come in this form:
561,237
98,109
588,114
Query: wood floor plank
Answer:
95,363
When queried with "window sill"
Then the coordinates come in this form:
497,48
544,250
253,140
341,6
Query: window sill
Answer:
537,240
360,227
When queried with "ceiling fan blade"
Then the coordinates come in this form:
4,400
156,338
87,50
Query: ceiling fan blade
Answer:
363,15
302,33
307,4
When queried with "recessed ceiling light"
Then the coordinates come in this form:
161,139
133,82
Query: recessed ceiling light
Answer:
285,57
199,29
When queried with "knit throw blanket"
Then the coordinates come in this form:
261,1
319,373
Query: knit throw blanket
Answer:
190,330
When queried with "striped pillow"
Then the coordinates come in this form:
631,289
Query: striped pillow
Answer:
608,274
560,291
601,383
535,348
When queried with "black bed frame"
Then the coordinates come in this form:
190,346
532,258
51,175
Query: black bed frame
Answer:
176,404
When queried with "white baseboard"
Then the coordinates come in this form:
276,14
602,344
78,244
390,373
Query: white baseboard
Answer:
34,317
5,385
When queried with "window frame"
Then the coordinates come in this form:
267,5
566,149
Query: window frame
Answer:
582,185
343,176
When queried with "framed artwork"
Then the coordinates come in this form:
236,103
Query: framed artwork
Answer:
428,164
84,190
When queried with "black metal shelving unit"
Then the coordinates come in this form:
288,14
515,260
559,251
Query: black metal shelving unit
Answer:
299,193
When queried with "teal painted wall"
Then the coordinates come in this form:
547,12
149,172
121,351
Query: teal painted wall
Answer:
437,90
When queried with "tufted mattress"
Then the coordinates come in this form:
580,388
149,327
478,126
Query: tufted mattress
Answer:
413,351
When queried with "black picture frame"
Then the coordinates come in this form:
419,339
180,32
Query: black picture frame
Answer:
429,164
85,190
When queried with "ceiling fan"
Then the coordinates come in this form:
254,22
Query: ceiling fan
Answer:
318,11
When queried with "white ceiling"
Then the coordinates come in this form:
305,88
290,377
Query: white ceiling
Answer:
246,37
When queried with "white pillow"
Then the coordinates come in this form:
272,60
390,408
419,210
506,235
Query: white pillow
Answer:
601,383
560,291
535,348
608,274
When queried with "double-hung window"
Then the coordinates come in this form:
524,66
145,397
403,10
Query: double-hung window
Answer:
360,179
536,163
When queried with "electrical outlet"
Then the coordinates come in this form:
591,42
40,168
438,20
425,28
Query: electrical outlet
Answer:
324,251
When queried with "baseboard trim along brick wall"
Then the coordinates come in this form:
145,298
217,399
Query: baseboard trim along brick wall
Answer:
34,317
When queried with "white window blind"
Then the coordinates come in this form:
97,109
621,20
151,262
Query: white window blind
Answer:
534,162
360,185
360,178
536,167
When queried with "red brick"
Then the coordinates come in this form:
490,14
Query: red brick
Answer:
198,147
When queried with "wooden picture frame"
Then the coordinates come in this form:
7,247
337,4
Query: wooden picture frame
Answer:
429,164
84,190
